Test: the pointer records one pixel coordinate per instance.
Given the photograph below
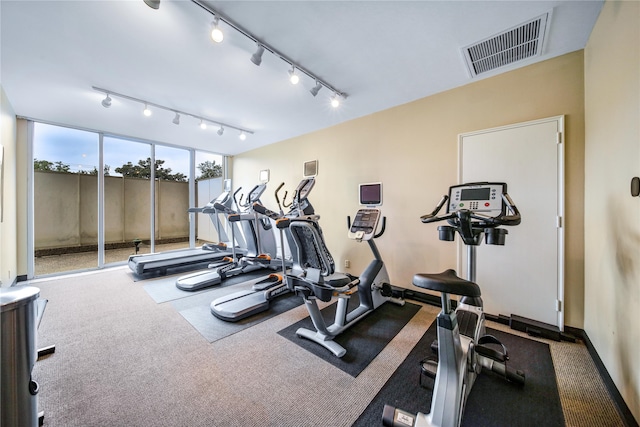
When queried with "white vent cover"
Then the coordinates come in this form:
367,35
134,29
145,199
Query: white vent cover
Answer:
513,45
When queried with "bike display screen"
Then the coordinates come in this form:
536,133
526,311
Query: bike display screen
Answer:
475,193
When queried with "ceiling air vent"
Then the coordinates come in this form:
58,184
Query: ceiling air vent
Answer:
508,47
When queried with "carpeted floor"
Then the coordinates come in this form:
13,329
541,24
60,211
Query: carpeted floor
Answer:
124,360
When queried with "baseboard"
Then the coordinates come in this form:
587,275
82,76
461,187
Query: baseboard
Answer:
627,416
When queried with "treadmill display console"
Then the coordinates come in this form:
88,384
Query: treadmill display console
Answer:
365,224
485,197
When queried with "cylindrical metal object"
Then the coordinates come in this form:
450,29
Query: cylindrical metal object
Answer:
18,336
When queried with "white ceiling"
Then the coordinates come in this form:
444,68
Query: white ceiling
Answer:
380,53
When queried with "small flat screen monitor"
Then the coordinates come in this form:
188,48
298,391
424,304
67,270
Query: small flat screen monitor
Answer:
371,194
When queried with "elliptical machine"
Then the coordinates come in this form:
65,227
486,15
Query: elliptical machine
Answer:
260,243
475,211
242,304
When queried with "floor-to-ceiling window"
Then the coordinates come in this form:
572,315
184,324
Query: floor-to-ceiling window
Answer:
173,168
98,199
65,196
127,198
209,185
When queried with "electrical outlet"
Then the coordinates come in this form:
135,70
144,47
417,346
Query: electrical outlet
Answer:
347,263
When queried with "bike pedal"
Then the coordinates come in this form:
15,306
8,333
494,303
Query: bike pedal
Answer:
434,347
489,352
428,368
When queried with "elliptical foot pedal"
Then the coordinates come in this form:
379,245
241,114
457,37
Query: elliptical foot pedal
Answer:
269,282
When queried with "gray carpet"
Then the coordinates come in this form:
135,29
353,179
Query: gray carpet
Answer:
123,360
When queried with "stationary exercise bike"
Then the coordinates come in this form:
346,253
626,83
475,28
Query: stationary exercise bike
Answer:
313,277
475,211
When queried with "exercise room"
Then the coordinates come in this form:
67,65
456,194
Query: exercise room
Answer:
320,213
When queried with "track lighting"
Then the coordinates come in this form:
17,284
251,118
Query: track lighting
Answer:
216,32
256,58
106,103
293,76
314,90
335,101
242,136
153,4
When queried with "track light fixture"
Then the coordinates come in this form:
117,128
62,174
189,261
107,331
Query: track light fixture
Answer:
242,136
216,33
153,4
293,77
176,118
256,58
314,90
335,101
106,103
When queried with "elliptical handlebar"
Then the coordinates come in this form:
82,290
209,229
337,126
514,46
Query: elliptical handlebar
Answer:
281,220
235,198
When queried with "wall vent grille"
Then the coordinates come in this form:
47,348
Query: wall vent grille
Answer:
518,43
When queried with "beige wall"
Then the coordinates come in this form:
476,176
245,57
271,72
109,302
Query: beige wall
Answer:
8,227
413,150
612,216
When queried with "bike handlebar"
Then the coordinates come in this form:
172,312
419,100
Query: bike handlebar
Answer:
482,220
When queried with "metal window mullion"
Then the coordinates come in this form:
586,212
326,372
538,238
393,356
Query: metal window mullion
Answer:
192,198
152,179
30,204
101,204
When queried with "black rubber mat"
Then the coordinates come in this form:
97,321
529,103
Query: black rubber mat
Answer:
493,401
363,341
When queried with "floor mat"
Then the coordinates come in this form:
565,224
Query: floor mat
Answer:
197,312
164,289
493,401
363,341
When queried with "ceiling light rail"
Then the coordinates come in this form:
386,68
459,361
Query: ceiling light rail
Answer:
256,58
176,120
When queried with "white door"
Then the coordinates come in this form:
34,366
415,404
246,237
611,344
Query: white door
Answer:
525,276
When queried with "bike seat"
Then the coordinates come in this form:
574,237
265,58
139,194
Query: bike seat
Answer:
447,282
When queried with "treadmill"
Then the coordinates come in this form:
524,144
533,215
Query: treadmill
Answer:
161,262
242,304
